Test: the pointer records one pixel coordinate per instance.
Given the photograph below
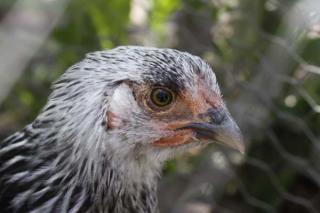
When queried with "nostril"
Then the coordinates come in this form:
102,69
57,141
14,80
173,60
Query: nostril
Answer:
216,115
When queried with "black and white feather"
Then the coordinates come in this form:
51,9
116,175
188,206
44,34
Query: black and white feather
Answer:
67,160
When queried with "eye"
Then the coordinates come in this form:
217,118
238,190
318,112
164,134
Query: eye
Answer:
161,97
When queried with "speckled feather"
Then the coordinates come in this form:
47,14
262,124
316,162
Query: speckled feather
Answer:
67,161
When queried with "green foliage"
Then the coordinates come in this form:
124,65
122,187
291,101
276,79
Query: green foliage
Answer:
160,11
93,25
85,27
109,23
311,50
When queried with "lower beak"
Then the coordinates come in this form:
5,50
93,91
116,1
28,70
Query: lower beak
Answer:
226,133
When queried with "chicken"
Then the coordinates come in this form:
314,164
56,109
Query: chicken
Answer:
110,123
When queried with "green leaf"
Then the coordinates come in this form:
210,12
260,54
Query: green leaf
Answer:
160,11
110,20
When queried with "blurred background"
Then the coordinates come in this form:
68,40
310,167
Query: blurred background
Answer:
265,53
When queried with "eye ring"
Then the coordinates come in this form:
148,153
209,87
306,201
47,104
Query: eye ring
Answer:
160,97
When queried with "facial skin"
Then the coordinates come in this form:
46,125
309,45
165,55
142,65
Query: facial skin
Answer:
189,115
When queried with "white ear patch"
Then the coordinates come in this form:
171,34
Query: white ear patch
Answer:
121,106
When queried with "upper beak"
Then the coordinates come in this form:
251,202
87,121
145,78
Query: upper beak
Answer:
225,131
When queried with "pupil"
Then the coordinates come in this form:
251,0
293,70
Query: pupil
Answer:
162,97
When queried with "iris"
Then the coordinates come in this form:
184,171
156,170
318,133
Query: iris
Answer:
161,97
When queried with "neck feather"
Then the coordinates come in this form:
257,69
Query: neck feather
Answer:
64,176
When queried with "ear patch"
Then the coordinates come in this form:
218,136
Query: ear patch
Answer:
110,120
121,108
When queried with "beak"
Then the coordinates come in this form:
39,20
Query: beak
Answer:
220,129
